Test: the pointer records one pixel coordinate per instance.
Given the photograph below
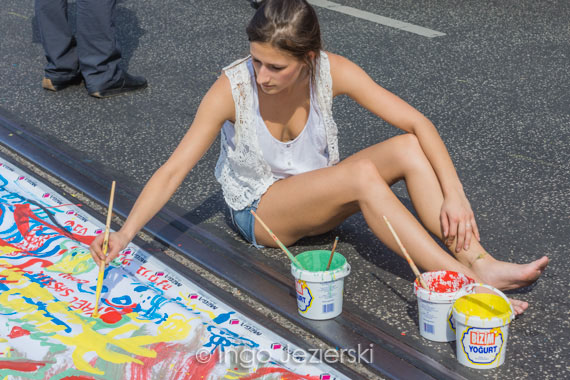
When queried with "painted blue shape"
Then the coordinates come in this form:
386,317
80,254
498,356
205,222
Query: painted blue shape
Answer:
123,300
141,288
91,289
43,307
221,318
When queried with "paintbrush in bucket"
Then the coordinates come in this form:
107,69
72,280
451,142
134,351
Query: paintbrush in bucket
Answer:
281,245
407,256
332,252
105,247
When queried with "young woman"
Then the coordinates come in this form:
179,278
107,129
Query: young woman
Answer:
279,156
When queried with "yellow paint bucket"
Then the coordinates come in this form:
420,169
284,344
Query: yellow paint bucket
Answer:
482,327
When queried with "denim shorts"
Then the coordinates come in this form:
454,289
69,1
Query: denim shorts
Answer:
244,223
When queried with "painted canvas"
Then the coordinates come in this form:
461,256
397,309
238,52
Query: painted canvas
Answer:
154,323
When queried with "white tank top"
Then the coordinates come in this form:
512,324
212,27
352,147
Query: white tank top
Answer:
241,169
308,151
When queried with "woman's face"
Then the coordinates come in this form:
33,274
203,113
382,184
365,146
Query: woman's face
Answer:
275,70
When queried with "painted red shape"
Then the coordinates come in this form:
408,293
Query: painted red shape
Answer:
17,332
23,214
21,365
43,263
111,317
285,374
200,370
78,378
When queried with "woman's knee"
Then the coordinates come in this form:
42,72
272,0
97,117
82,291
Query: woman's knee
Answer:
366,178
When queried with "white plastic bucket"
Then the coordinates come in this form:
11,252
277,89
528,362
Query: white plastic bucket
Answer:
319,292
482,327
434,305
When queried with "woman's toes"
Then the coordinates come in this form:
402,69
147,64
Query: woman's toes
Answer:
518,306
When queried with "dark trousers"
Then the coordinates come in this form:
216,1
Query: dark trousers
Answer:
93,52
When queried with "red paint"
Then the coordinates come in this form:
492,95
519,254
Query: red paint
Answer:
202,370
445,281
181,367
285,374
111,317
22,219
77,378
43,263
23,214
17,332
21,365
66,204
4,243
176,361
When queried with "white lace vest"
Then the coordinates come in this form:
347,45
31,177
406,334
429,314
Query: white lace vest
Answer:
241,169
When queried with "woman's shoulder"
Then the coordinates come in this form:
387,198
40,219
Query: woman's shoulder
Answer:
342,70
338,63
219,99
237,64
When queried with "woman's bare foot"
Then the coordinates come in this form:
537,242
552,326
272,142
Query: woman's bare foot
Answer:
518,306
505,276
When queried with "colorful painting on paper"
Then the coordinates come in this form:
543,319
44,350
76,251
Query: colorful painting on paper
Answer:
154,323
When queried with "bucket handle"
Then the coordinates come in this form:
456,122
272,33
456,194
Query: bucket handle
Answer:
465,290
347,270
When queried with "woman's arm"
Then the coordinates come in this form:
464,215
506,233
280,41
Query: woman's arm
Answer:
349,79
216,107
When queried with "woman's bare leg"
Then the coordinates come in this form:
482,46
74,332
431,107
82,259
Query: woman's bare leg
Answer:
315,202
403,158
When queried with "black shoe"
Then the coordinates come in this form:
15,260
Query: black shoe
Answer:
57,85
127,83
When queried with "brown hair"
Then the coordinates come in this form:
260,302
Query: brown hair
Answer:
289,25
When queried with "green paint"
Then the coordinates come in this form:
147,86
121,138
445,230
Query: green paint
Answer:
316,261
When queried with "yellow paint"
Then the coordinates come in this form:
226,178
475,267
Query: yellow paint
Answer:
5,352
231,374
193,306
483,305
76,260
176,327
12,276
100,277
4,249
134,317
497,331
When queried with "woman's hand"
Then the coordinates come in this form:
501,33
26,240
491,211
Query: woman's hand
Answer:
117,242
458,222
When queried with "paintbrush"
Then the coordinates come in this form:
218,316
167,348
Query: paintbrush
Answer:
105,247
407,256
332,252
281,245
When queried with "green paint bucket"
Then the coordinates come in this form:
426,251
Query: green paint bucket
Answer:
319,292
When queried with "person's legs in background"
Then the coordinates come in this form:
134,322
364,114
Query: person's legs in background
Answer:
93,54
98,50
62,68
